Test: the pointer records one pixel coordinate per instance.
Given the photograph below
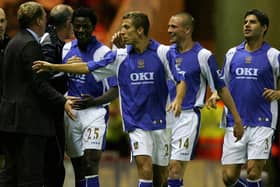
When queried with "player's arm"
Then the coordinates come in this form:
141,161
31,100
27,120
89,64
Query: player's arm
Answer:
238,129
271,94
88,101
78,67
176,104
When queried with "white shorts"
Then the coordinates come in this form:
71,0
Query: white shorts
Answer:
185,132
154,143
254,144
88,131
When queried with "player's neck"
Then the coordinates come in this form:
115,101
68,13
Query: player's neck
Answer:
142,45
253,45
185,45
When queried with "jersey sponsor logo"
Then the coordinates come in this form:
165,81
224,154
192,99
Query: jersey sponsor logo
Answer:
246,73
81,78
142,78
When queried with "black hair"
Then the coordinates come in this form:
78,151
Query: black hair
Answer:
85,12
261,16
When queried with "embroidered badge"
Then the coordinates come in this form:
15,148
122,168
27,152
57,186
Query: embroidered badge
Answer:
140,63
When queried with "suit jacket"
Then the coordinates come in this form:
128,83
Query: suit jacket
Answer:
28,99
3,44
52,51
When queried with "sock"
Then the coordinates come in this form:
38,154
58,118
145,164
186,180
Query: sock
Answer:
175,182
89,181
254,183
145,183
240,183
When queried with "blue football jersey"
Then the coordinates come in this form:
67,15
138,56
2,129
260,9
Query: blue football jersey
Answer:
142,80
247,74
199,68
79,84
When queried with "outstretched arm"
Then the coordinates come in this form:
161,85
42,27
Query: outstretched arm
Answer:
75,66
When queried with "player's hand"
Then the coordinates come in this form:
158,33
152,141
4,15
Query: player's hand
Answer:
83,102
238,131
69,110
270,94
74,59
40,66
212,101
117,40
175,107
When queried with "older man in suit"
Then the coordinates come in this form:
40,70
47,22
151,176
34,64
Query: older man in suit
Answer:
26,119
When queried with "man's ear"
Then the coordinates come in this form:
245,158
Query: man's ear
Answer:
140,31
39,21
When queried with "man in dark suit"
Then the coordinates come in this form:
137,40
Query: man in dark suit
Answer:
58,30
28,103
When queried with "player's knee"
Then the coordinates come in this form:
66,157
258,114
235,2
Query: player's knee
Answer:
229,178
175,169
91,162
254,173
146,172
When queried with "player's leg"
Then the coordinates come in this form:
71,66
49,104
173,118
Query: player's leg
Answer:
259,147
142,147
90,168
185,133
234,156
94,125
85,140
73,142
161,155
145,172
254,172
231,173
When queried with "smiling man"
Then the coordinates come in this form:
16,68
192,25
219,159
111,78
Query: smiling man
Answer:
85,137
199,67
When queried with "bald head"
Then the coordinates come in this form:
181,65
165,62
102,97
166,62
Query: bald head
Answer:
3,23
60,14
187,19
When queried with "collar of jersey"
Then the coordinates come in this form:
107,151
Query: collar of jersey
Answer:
153,45
264,47
93,42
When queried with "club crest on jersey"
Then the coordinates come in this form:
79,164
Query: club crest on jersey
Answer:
140,63
179,61
136,145
248,60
